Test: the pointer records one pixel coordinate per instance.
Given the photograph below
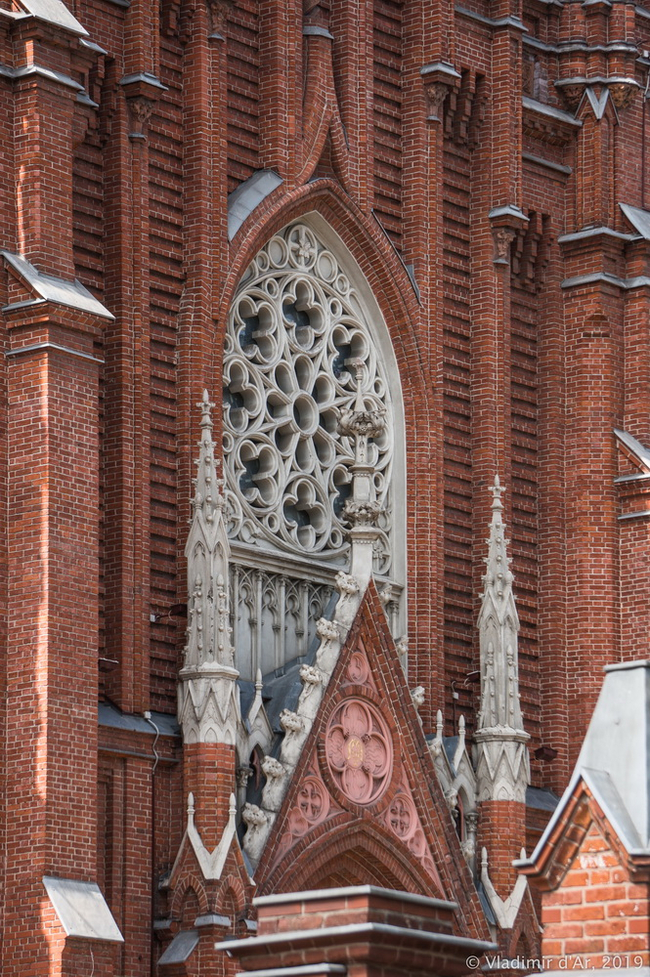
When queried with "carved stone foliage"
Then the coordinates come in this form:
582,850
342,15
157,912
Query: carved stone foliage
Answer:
297,336
359,750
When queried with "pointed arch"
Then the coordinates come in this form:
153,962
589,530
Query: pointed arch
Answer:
387,281
362,851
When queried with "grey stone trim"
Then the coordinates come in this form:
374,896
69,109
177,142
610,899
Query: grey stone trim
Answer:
507,211
249,195
360,930
490,21
310,895
550,112
547,163
639,451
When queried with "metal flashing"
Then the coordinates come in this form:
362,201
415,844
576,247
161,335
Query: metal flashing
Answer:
53,12
638,218
33,347
180,948
212,919
311,30
599,276
82,910
71,294
359,931
28,70
280,898
596,232
547,163
550,112
249,195
640,452
144,76
490,21
109,715
303,970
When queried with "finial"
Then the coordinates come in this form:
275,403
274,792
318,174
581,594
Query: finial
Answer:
497,491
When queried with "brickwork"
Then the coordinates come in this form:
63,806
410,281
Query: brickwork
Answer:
457,157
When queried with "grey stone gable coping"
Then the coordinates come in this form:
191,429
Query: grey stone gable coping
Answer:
180,948
54,12
642,12
82,910
490,21
56,290
625,666
550,112
360,930
540,161
302,971
249,195
638,218
281,898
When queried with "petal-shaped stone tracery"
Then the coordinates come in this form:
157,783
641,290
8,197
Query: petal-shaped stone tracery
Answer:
359,751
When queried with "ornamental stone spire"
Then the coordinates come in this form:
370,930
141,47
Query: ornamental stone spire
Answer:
208,699
361,423
501,755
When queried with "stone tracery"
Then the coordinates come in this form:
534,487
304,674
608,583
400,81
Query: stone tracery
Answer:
297,340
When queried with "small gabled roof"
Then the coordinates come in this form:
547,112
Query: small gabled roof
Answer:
53,12
614,762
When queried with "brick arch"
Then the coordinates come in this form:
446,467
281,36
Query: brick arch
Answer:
350,854
190,884
393,292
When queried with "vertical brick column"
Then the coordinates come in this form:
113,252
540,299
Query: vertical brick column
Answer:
52,631
126,446
594,407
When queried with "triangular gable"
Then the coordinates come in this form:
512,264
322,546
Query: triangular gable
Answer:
364,802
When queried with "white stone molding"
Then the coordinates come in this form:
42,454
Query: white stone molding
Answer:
212,862
505,910
208,698
501,755
458,782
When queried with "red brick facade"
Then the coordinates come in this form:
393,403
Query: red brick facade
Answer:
473,162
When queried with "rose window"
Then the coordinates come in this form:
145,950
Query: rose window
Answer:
297,338
359,751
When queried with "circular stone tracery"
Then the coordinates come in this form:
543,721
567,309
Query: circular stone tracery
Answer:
359,751
296,336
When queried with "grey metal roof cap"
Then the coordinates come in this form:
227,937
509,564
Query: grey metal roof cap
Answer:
614,760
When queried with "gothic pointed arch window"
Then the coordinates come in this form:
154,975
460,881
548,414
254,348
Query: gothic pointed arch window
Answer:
304,332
